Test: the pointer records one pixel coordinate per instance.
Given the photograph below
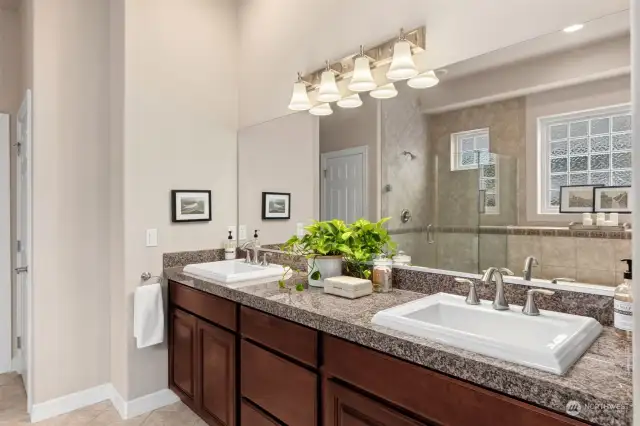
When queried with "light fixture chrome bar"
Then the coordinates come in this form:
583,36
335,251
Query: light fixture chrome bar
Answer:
379,55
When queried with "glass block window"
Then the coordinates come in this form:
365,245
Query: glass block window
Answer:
583,148
468,149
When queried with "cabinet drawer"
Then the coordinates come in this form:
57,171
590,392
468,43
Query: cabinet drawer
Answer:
294,340
251,416
212,308
283,389
432,396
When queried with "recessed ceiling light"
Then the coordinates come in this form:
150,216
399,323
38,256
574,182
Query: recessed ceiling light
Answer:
573,28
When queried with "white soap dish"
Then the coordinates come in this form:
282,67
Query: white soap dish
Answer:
349,287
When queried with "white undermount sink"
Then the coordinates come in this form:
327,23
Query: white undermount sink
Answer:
236,273
551,342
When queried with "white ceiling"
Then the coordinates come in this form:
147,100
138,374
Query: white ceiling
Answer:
10,4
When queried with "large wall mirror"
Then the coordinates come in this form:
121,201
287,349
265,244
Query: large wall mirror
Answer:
470,170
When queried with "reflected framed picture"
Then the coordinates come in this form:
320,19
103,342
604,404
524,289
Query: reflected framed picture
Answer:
612,199
577,198
190,205
276,205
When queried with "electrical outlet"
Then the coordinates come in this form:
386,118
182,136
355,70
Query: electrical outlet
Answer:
300,229
242,232
152,237
232,229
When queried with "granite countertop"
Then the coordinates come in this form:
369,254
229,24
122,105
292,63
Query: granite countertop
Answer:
601,381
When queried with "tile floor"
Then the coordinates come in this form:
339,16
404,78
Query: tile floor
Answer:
13,411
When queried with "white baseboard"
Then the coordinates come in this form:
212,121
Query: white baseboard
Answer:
126,409
144,404
68,403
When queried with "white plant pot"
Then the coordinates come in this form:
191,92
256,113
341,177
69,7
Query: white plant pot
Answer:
329,266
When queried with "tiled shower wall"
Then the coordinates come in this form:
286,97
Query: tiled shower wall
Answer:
586,260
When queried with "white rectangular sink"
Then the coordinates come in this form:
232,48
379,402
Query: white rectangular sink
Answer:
550,342
236,272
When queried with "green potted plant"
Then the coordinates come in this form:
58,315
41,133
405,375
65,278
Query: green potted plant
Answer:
327,244
324,247
366,240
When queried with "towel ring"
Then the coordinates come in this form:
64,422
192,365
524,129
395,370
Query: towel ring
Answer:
146,276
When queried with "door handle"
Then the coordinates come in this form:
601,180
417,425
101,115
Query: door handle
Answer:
430,239
21,269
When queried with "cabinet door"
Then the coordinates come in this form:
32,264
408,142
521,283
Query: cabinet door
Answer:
182,354
344,407
253,417
216,377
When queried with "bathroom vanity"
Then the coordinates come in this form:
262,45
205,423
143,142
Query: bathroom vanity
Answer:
237,358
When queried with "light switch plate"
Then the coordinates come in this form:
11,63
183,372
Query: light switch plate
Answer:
152,237
300,229
242,232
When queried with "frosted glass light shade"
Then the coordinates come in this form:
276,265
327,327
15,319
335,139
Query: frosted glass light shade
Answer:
299,98
362,80
328,91
424,80
402,65
352,101
321,109
386,91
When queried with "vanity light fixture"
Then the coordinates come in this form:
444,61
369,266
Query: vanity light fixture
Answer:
386,91
299,97
362,80
321,110
424,80
573,28
328,91
352,101
402,65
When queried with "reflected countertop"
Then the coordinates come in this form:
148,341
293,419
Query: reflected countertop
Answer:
601,381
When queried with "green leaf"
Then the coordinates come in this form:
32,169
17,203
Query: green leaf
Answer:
315,275
299,287
281,284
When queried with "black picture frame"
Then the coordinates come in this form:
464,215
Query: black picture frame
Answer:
266,215
605,188
177,217
586,209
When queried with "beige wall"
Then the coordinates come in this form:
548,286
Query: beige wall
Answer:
280,37
180,123
351,128
70,207
278,156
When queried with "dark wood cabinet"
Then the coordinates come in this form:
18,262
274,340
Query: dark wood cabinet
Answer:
182,355
238,366
252,416
216,381
344,407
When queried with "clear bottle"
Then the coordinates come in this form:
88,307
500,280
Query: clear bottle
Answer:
230,248
382,279
623,304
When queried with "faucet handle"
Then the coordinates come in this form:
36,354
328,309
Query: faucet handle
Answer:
530,307
506,271
264,262
472,298
566,280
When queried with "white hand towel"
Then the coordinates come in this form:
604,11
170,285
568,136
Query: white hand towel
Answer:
148,315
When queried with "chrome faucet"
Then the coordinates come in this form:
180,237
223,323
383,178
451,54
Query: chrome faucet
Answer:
251,245
500,302
529,263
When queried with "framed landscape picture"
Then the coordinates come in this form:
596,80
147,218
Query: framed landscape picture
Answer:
190,205
612,199
276,205
577,198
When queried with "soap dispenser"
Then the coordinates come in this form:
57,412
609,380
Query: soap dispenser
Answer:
623,304
230,248
256,241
